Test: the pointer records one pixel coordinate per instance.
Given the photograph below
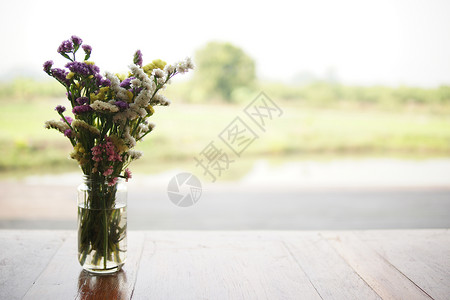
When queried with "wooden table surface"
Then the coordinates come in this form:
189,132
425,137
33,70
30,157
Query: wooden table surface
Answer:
386,264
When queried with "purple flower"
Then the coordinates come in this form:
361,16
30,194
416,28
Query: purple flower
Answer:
60,109
122,105
87,49
138,58
106,82
126,83
60,75
137,90
82,100
98,79
79,68
65,47
68,119
76,40
94,69
78,110
47,66
68,132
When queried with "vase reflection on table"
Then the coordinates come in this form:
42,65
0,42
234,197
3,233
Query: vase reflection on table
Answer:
103,287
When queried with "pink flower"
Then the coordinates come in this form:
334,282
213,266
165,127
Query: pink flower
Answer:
112,181
68,119
127,174
108,172
105,151
68,132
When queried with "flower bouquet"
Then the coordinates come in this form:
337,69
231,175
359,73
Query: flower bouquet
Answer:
111,113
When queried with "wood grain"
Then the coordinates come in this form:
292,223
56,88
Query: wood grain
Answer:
219,265
23,257
59,280
327,270
421,255
387,264
379,273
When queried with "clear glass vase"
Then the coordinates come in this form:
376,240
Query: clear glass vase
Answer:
102,225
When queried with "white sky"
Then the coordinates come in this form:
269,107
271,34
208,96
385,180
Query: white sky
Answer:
367,42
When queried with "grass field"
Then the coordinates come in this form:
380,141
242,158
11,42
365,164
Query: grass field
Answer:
184,130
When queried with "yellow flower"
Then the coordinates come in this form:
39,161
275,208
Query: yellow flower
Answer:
93,97
101,95
78,153
156,64
80,148
89,62
130,96
150,110
104,89
121,77
159,63
120,145
70,75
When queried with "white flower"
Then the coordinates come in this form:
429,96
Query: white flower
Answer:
160,99
128,139
158,73
184,65
101,106
147,83
161,81
123,116
120,117
121,93
135,82
143,127
143,99
149,86
82,125
58,125
169,69
142,112
134,154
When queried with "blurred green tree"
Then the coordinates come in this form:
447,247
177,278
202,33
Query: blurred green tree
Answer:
221,69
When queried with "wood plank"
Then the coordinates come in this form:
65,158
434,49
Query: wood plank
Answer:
332,277
379,274
60,278
219,265
120,285
23,257
65,279
421,255
392,264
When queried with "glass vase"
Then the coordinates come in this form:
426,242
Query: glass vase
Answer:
102,225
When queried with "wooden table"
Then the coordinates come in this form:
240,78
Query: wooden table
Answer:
388,264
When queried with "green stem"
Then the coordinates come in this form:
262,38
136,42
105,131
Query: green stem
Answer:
105,240
144,135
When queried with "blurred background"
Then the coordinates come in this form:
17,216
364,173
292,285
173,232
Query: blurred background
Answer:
361,139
